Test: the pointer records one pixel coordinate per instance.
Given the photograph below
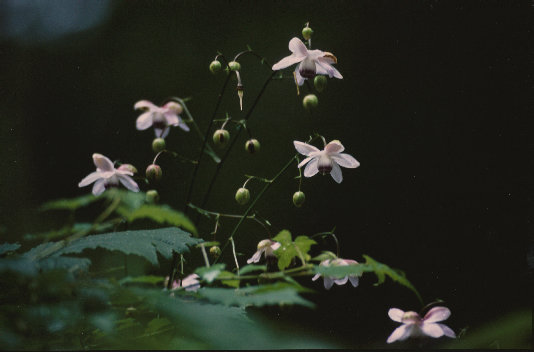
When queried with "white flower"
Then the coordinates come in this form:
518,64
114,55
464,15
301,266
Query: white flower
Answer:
312,62
413,325
325,161
107,176
329,281
159,117
265,246
189,283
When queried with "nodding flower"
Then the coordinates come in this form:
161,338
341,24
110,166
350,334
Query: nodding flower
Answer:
160,117
415,326
106,176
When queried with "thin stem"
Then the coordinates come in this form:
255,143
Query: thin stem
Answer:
205,255
330,233
235,255
235,216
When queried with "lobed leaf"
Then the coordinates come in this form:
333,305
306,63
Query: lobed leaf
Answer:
8,247
69,203
160,214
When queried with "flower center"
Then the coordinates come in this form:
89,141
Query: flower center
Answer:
112,182
307,68
411,318
159,121
324,164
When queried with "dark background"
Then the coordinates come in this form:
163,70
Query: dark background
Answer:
433,104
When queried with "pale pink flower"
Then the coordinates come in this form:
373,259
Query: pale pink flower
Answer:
106,176
264,246
161,117
413,325
189,283
325,161
311,62
329,281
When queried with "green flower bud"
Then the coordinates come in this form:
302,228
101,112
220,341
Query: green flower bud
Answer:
252,146
242,196
221,138
158,144
152,196
234,65
307,33
153,172
215,66
310,101
320,82
298,199
128,167
215,251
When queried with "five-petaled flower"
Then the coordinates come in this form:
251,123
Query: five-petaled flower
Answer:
413,325
325,161
161,117
189,283
106,176
329,281
264,246
311,62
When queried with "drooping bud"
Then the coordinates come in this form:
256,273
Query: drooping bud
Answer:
152,196
153,172
298,199
234,65
215,251
221,138
239,90
158,144
320,83
252,146
324,164
310,101
215,66
174,107
307,32
242,196
128,167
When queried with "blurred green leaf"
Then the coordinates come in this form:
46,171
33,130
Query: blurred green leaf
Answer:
8,247
146,279
160,214
69,204
251,268
338,271
67,231
228,276
144,243
211,273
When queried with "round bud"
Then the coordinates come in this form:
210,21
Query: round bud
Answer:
320,83
221,138
234,65
215,251
298,199
252,146
152,196
310,101
153,172
215,66
307,33
158,144
242,196
128,167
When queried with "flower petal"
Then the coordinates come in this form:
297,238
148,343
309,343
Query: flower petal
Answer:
255,258
396,314
446,330
354,280
345,160
103,163
400,333
287,61
162,133
128,182
304,148
145,105
334,147
336,173
431,329
342,281
182,124
304,162
99,187
328,283
92,177
311,169
299,78
437,314
144,121
316,277
172,118
297,47
275,246
330,70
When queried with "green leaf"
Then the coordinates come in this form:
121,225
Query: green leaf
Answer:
272,294
284,237
251,268
20,265
289,249
156,325
338,271
228,276
8,247
128,199
67,231
160,214
144,243
71,264
69,204
145,279
325,255
381,270
211,273
304,244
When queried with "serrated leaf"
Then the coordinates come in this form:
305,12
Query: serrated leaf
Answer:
304,244
67,231
70,203
161,214
339,271
251,268
156,325
273,294
211,273
381,270
144,243
289,249
9,247
284,237
71,264
145,279
20,265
